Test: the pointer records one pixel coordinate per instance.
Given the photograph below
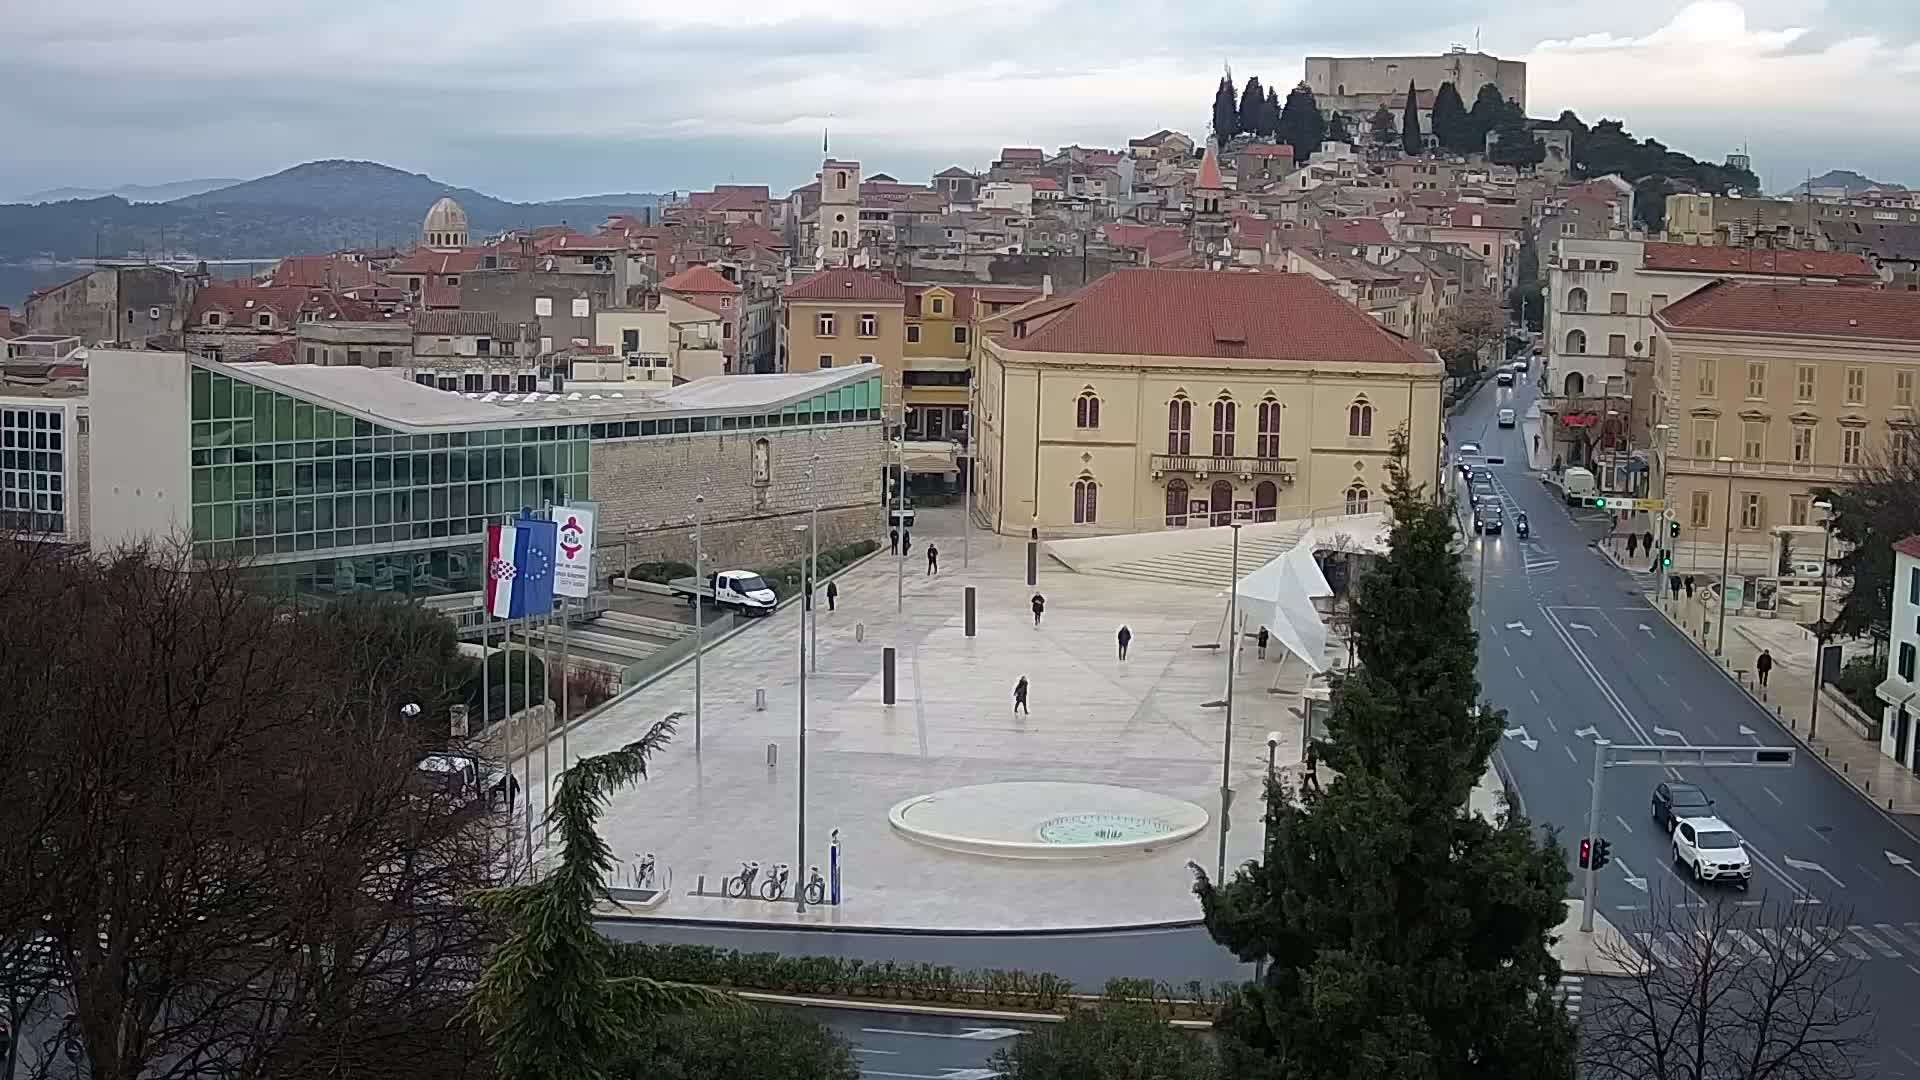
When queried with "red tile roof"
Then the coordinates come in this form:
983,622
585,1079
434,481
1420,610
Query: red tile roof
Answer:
1909,547
423,261
1210,171
280,352
1272,150
1022,153
321,271
700,279
1218,314
1044,183
1357,232
843,284
1726,260
239,302
1490,216
1834,312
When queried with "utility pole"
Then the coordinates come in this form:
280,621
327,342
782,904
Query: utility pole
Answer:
1226,737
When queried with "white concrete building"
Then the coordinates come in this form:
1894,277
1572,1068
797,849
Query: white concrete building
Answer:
1901,688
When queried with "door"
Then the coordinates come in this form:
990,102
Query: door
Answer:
1902,729
1266,500
1220,503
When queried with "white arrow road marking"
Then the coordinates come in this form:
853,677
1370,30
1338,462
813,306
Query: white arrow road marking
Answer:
1521,734
1747,731
1520,626
1669,733
1903,863
1586,731
986,1034
1637,882
1802,864
1583,626
1647,628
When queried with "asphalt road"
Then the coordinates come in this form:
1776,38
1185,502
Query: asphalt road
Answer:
894,1046
1572,650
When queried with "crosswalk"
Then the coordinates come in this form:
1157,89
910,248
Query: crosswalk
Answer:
1571,989
1864,942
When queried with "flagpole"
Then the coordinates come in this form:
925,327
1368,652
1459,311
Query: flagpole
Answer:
546,717
566,668
526,734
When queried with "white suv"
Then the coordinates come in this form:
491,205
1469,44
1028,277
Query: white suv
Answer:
1712,850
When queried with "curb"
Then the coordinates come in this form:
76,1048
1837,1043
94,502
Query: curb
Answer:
910,1009
692,922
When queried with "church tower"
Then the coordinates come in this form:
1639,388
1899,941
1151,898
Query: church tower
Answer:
838,223
1208,225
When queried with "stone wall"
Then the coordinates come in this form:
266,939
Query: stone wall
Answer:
646,487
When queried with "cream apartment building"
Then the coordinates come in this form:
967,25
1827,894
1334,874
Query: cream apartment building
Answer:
1771,389
844,316
1157,399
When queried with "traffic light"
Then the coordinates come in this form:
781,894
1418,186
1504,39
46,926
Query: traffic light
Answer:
1673,528
1598,503
1666,559
1600,856
1586,852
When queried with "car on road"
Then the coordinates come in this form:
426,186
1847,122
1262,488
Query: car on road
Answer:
1673,800
1712,851
1505,417
1523,364
1482,486
1488,518
1467,448
739,590
1505,378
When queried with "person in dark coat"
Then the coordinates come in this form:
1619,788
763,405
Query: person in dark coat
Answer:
1262,641
1039,608
1020,696
933,559
893,541
1126,638
1763,666
833,594
1311,778
906,541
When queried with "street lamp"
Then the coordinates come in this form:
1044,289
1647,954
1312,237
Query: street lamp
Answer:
900,515
699,610
1233,656
1820,627
813,568
800,817
1726,556
1266,818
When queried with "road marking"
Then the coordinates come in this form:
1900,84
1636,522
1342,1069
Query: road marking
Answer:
1778,943
1683,703
1525,740
1814,867
1748,732
984,1034
1662,678
1647,628
1887,931
1637,882
1902,862
1573,758
1816,948
1752,947
1520,626
1822,836
1668,733
1536,696
1586,731
1879,946
1624,825
1518,670
1550,723
1771,795
1583,626
1651,946
1504,649
881,1053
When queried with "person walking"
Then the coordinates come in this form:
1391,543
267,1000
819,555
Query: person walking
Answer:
1126,638
893,541
833,594
1311,778
1039,608
1020,696
933,559
1763,666
906,541
1262,641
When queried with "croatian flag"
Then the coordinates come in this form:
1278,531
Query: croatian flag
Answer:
520,567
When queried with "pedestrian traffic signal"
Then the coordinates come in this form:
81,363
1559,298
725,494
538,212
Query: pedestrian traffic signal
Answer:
1598,503
1586,852
1600,854
1666,560
1673,528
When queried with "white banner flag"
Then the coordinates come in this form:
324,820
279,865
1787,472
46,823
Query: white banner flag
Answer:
573,569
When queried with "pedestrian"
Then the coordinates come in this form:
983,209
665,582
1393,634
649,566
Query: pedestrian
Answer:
807,595
1310,780
833,594
1020,696
1262,640
933,559
1536,443
893,541
1126,636
1646,542
1763,666
1632,543
906,541
1689,586
1039,608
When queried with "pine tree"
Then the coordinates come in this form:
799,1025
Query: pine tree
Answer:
1226,115
1488,107
1404,936
1251,119
1450,126
1270,116
1382,125
1337,129
1411,139
1301,126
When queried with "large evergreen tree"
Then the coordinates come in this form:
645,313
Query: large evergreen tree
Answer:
1411,139
1403,935
1226,114
1382,125
1301,126
1450,126
1253,107
1271,114
1488,108
1337,129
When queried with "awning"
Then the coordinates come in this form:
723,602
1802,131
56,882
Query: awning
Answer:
1280,595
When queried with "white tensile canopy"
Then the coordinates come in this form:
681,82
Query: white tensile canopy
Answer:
1280,596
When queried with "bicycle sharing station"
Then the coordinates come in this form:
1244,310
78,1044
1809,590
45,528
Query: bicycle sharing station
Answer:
770,885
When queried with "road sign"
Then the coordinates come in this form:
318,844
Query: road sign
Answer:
1649,506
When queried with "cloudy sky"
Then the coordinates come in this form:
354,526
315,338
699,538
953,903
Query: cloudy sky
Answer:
571,97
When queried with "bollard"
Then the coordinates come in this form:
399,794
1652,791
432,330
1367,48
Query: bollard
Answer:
1866,786
773,754
859,632
700,885
1843,767
1033,557
886,676
969,605
760,700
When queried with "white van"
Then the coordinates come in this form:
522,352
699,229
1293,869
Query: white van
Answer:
1505,417
1579,484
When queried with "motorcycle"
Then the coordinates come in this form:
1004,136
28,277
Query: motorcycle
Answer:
1520,526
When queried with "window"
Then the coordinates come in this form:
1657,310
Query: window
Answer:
629,341
1757,380
385,358
1086,410
1360,420
213,318
263,319
356,358
1704,383
869,324
1576,341
1754,440
726,331
1850,446
1700,512
826,360
1913,586
1803,444
1803,382
1856,385
939,305
1267,418
1224,415
959,335
1753,510
1617,303
1616,344
840,180
1086,501
310,358
913,335
866,359
1357,496
1576,300
823,324
1903,387
1906,660
1179,426
543,306
1176,503
1797,506
1703,438
484,346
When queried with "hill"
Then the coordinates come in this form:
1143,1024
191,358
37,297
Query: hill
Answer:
315,207
154,193
1847,180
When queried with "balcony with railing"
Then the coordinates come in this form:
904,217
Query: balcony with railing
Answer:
1207,465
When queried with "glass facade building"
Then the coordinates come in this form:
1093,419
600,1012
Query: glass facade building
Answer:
33,469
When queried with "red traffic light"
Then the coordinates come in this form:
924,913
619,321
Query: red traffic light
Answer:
1586,852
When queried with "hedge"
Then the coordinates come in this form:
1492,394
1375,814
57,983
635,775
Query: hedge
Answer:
660,572
785,578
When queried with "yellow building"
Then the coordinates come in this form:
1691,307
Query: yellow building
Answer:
1158,399
842,317
1769,390
943,324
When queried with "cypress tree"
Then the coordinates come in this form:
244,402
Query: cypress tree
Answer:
1270,116
1488,108
1337,129
1384,129
1301,126
1226,115
1450,125
1411,140
1253,105
1404,936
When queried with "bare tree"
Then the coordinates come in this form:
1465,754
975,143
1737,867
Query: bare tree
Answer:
1463,333
1724,991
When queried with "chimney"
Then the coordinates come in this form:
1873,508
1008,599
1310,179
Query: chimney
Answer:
1046,286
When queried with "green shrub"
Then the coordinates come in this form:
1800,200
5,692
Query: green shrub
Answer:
495,684
839,977
785,578
1857,679
659,572
1118,1040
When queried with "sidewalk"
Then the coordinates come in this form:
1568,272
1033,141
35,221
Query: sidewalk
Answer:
1789,695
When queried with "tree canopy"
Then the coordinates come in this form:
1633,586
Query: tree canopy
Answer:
1412,140
1251,117
1878,508
1301,126
1337,129
1226,113
1382,124
1451,126
1655,170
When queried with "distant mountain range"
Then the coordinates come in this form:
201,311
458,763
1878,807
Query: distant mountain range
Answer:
179,189
1846,179
312,208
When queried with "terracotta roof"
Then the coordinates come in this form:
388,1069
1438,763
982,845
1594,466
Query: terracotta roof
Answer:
755,236
1021,153
1357,231
699,279
1909,547
1210,171
572,241
1044,183
423,261
1491,217
1725,260
435,294
844,284
1272,150
462,324
1835,312
239,302
1218,314
280,352
321,271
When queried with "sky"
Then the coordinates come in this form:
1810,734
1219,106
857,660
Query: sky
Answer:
575,97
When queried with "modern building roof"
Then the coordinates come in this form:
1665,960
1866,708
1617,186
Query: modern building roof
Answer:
1223,315
700,279
1778,309
1892,242
847,285
385,396
1726,260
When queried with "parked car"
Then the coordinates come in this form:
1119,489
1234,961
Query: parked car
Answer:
1673,800
1505,378
1712,850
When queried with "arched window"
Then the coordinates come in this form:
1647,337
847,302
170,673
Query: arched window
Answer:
1224,414
1576,300
840,180
1576,341
1360,419
1267,444
1086,501
1357,496
1176,503
1576,384
1179,426
1266,501
1220,503
1086,410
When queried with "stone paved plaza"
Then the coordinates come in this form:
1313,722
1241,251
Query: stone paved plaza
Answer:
1141,724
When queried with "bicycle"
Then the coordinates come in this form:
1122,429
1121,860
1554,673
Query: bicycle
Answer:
775,886
816,887
741,887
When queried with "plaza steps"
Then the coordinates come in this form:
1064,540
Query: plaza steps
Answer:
1208,564
647,625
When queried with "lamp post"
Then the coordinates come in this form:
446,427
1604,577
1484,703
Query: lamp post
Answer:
1726,563
800,815
1657,461
900,514
1820,627
813,568
1226,738
699,611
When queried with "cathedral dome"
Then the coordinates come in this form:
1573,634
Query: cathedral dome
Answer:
445,226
